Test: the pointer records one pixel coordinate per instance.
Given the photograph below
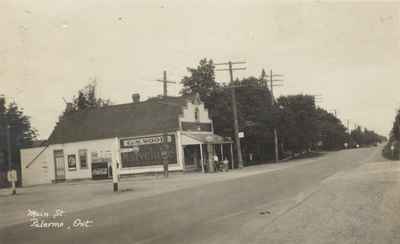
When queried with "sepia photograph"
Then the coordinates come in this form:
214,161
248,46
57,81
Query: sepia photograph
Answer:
204,122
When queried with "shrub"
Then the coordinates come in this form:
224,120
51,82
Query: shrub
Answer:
389,154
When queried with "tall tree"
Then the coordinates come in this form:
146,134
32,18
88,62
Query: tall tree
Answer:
331,131
18,125
298,123
395,132
365,137
253,102
394,140
201,80
3,124
87,99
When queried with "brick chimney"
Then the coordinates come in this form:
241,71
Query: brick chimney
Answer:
135,97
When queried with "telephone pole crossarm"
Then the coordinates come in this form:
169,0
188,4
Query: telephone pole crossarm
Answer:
229,69
165,81
170,82
227,63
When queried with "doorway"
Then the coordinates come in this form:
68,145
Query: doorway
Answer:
59,165
192,157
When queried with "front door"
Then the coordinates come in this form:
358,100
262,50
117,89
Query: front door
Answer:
192,157
59,165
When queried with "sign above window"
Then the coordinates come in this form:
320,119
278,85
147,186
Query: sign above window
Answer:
140,141
147,151
196,126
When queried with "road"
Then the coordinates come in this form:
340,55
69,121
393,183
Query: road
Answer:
348,196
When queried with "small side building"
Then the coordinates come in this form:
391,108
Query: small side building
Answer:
84,144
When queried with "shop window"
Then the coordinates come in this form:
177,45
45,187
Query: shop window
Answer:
94,156
196,114
83,159
72,162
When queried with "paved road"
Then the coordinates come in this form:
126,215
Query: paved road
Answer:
343,197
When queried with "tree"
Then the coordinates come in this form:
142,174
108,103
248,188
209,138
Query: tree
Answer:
331,131
365,137
257,117
86,99
394,140
216,98
201,80
395,132
3,124
18,125
298,123
253,102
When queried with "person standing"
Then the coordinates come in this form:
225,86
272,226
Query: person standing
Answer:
216,162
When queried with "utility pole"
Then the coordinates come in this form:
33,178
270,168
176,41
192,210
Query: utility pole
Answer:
272,79
9,157
348,126
165,147
348,131
234,109
12,174
165,82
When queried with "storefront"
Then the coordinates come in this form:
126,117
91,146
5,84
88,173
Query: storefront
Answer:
199,148
136,136
146,151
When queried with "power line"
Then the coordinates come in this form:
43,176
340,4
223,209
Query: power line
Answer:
234,107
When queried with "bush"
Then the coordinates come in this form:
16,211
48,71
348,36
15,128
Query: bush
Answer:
387,152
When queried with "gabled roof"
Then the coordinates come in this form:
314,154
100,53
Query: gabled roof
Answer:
152,116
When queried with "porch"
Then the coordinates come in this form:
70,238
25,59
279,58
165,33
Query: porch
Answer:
199,150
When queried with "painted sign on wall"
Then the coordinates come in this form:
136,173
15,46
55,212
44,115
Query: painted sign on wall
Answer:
148,151
196,126
140,141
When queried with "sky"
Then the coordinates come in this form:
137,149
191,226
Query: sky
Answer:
346,52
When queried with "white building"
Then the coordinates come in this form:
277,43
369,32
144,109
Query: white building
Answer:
84,144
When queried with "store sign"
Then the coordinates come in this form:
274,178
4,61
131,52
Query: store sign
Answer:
196,126
12,175
147,151
140,141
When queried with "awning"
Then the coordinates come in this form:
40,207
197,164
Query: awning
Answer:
204,138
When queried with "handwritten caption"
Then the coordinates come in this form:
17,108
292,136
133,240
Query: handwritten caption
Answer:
41,219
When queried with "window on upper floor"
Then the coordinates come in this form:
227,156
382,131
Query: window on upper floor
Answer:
196,114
